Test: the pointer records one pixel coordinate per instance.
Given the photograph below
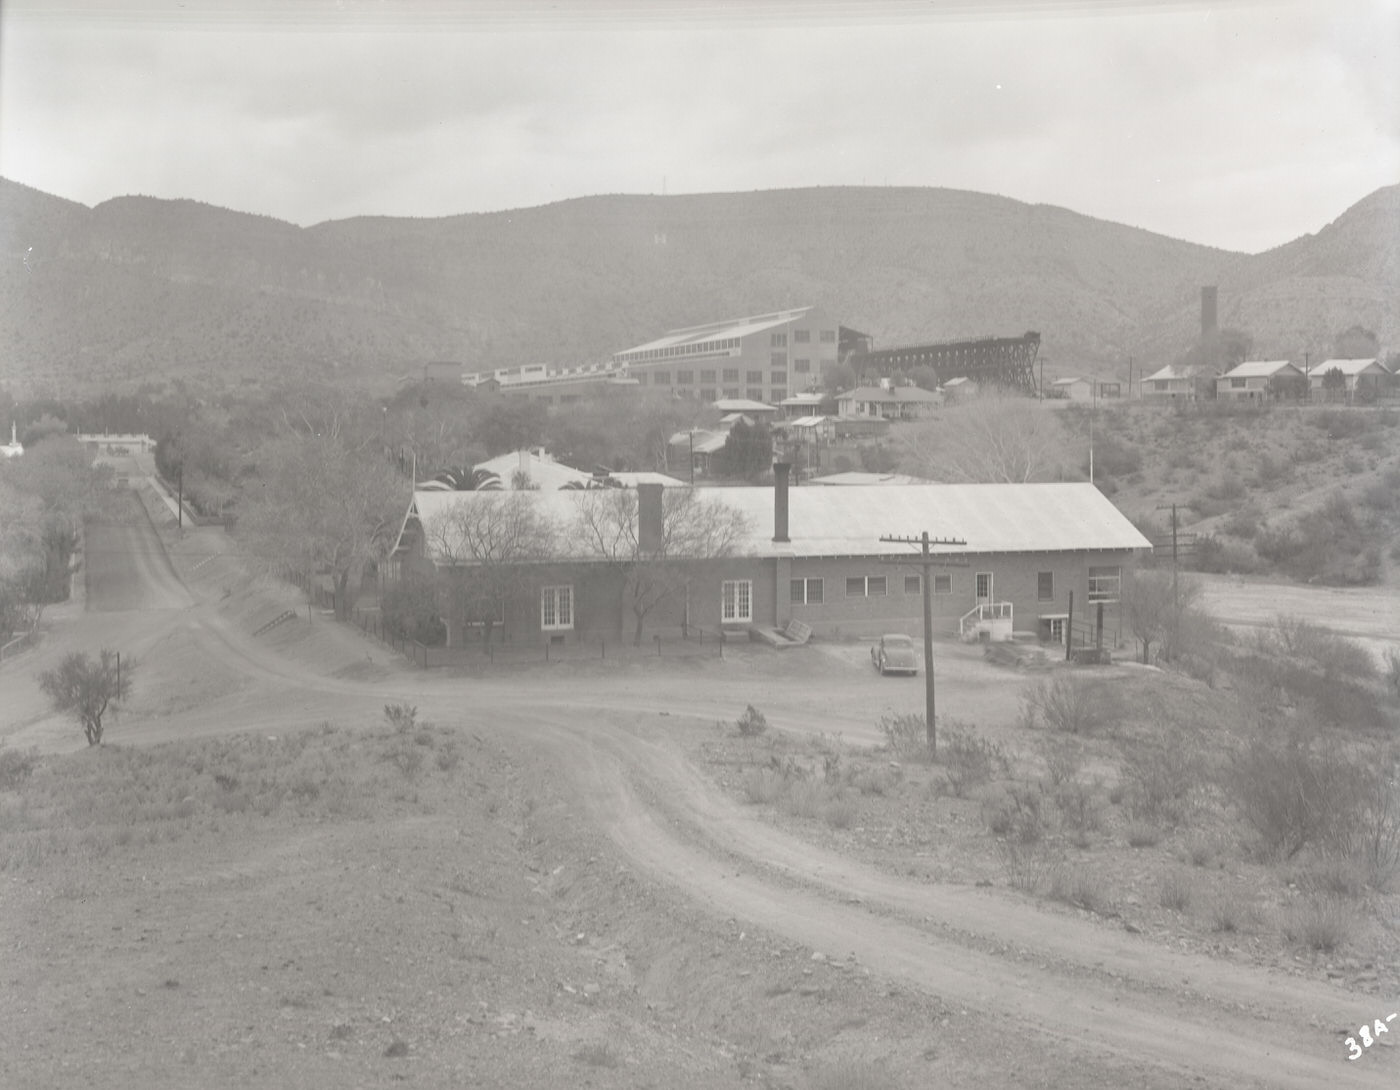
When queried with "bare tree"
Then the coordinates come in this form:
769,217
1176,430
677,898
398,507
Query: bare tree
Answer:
485,538
86,688
606,527
994,438
1154,605
318,507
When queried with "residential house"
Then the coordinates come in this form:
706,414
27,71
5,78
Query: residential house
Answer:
888,402
1023,553
1072,389
1361,380
1260,380
1179,383
960,387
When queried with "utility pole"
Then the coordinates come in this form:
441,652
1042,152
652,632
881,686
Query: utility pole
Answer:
1130,378
927,562
1176,578
180,495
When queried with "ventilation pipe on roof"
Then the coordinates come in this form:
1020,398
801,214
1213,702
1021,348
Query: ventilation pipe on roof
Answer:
650,521
780,501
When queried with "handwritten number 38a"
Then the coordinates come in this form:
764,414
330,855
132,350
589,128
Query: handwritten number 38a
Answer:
1366,1039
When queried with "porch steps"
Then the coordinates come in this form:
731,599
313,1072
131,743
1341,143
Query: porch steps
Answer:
793,634
285,615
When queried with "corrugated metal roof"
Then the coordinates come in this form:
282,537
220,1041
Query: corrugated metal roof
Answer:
726,328
895,393
1346,367
849,521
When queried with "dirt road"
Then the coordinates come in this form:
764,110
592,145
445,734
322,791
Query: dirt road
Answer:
1084,982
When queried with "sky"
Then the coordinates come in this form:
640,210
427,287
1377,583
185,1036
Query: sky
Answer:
1235,124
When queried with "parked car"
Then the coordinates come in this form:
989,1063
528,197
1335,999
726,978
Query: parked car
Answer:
895,654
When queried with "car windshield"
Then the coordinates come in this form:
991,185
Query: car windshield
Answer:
898,641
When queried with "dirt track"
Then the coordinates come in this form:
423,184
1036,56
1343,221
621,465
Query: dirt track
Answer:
1086,983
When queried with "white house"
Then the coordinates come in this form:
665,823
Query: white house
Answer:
1259,379
1364,378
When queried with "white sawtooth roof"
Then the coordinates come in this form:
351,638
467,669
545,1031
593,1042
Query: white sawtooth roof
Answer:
727,328
849,521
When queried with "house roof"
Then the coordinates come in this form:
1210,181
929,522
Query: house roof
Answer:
742,405
893,394
544,472
807,421
855,476
1346,367
961,380
1069,381
1172,371
1258,369
702,442
726,328
630,479
800,400
849,521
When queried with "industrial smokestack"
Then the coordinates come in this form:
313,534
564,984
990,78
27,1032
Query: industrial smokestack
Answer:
1208,311
651,526
780,501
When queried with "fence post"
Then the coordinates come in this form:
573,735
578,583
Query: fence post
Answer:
602,648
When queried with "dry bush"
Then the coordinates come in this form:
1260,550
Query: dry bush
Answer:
16,766
1333,876
1294,792
1079,808
1177,891
1067,703
1232,911
906,735
1322,923
1028,865
1075,886
840,813
968,759
1142,834
1016,813
873,781
402,718
763,786
1374,839
752,723
1160,780
1064,759
807,798
600,1054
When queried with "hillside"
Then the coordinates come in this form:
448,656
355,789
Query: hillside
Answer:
138,288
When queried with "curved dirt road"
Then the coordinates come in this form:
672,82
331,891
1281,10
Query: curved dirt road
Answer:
1099,989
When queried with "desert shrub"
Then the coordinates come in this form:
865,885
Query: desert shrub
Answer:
906,735
599,1054
1176,891
1326,545
1142,834
403,718
1243,523
1293,792
968,759
807,798
1078,804
1016,813
1334,655
1232,911
407,758
872,781
1075,886
1200,851
763,785
1224,557
410,611
840,813
1374,840
752,723
1321,923
1268,472
1066,702
1160,780
1332,876
1064,759
16,766
1028,865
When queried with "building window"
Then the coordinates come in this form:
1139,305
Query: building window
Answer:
828,336
778,359
984,586
736,601
806,592
731,392
778,377
755,377
685,378
1105,584
731,374
707,376
556,608
942,584
866,586
707,393
1237,384
1045,586
778,393
802,367
662,378
779,340
801,336
911,584
754,393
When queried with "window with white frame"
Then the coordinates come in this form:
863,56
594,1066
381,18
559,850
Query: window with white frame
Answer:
807,592
556,608
866,586
801,336
1044,586
736,601
1105,583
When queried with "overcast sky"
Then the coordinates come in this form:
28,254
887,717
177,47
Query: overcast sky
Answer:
1241,125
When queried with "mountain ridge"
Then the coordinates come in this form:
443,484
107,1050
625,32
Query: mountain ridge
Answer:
146,289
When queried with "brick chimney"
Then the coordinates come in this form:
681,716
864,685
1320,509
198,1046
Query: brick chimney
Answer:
651,527
780,501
